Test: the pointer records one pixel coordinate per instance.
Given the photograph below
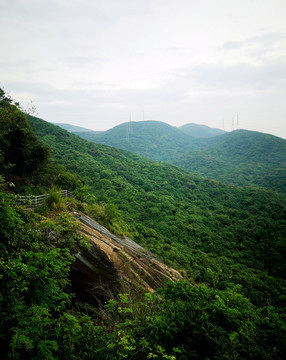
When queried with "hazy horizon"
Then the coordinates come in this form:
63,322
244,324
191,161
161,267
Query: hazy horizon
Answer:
80,125
92,64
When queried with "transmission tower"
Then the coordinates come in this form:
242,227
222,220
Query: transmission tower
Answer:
128,128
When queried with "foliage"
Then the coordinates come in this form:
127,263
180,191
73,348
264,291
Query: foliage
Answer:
55,200
229,242
207,323
159,201
22,156
241,158
38,319
201,131
153,139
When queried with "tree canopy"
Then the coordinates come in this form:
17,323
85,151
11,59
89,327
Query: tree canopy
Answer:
228,243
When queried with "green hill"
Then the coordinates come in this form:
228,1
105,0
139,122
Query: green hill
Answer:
153,139
228,242
188,213
241,158
200,131
74,128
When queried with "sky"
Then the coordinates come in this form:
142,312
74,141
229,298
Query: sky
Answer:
99,63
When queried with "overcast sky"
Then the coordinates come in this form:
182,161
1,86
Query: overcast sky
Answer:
93,62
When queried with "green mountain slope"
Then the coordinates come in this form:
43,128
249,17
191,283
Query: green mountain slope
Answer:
74,128
229,243
230,239
190,222
241,158
200,131
152,139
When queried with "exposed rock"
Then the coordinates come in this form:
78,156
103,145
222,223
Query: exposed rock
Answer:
112,260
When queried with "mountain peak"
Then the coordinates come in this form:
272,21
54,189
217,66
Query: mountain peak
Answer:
201,131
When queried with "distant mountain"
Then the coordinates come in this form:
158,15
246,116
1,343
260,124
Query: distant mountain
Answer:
74,128
200,131
169,206
221,236
242,158
67,279
153,139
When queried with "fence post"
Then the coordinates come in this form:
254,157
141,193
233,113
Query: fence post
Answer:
33,200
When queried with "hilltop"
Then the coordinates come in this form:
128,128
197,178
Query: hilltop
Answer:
74,273
242,158
74,128
162,201
201,131
153,139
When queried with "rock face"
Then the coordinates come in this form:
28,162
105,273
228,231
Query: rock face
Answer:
112,261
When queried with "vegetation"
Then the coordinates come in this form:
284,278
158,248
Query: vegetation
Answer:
228,242
241,158
200,131
166,201
74,128
152,139
22,156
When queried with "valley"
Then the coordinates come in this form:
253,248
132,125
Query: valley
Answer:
148,259
241,157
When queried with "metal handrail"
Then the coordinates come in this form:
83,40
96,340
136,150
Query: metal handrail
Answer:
33,201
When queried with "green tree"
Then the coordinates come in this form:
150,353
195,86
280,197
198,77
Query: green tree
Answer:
22,155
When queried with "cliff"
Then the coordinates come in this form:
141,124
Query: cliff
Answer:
112,262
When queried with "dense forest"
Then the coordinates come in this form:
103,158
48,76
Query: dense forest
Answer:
228,243
153,139
241,157
200,131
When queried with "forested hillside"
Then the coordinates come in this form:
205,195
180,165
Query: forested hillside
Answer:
241,158
228,243
153,139
200,131
179,216
74,128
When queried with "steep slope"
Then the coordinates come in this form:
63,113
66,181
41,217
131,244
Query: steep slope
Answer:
241,158
200,131
22,156
153,139
232,240
112,259
186,221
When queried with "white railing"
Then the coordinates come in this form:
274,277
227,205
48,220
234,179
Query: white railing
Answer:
33,201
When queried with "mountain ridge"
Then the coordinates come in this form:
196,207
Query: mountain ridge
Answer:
74,128
153,139
201,131
148,192
241,157
227,241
